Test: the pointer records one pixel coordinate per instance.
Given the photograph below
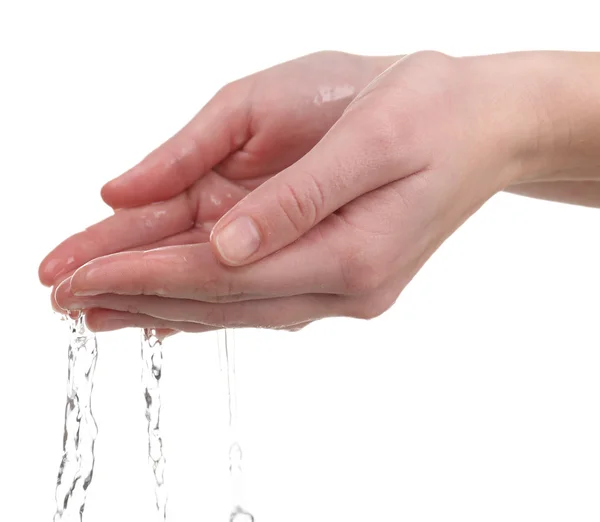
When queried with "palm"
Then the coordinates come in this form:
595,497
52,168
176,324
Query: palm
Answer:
250,131
292,107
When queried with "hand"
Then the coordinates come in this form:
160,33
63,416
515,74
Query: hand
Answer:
250,130
253,128
341,231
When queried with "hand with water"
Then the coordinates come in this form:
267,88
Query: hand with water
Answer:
249,131
340,227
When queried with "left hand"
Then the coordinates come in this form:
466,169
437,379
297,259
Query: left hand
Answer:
344,229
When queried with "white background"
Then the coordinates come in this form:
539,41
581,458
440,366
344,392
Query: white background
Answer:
476,398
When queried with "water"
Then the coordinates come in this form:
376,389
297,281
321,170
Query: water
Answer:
77,465
152,359
80,430
227,357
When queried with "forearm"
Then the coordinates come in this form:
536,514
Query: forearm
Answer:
584,193
564,93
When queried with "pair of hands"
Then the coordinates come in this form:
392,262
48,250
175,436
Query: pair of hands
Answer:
316,188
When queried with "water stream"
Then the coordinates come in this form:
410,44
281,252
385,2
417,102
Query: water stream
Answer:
80,431
152,360
227,358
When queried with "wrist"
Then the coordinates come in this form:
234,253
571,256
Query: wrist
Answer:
560,102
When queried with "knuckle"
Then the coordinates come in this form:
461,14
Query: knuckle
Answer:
361,275
301,206
371,306
379,130
316,194
229,90
438,79
389,130
397,114
172,156
430,59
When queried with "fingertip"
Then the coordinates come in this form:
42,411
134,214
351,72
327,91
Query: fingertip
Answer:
45,275
236,242
95,322
55,306
52,267
163,333
61,293
96,276
105,194
125,190
112,193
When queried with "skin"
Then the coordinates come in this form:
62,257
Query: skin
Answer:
343,173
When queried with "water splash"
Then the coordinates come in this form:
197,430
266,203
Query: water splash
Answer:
77,465
227,358
152,360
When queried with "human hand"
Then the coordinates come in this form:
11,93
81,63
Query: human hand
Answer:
342,230
250,130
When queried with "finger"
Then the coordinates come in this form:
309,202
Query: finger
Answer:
267,313
55,306
100,320
297,327
358,155
220,128
189,237
126,229
129,229
192,272
163,333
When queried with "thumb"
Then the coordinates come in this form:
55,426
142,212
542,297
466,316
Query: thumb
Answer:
220,128
358,155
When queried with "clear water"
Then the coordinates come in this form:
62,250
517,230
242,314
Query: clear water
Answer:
227,357
77,465
80,428
152,360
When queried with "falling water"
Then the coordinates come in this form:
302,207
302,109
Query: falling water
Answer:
152,359
77,465
227,356
80,429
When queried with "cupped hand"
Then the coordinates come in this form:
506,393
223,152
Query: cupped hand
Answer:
250,130
342,230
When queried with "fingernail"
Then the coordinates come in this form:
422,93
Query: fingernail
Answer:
64,286
87,293
238,240
82,278
59,293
